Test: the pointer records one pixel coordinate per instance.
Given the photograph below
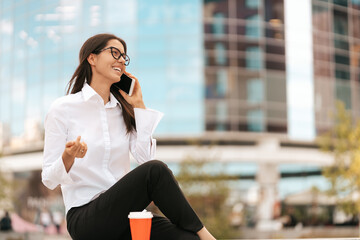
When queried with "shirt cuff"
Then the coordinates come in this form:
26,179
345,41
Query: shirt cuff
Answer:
146,122
60,171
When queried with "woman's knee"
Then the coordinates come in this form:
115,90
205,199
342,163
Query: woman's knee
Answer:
158,165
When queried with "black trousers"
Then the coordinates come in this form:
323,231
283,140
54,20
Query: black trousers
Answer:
106,217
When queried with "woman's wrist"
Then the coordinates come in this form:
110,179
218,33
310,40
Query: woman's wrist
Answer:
140,104
68,160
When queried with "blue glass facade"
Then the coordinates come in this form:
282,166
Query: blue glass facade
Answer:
169,55
192,58
40,41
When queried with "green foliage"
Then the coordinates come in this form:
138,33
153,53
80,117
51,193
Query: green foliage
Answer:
207,193
5,192
343,142
3,184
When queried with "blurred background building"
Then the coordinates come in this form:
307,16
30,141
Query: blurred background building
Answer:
253,82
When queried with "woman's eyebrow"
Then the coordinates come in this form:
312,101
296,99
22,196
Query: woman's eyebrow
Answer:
116,48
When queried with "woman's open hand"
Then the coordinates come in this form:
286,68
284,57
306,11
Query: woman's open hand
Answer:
76,148
135,99
73,149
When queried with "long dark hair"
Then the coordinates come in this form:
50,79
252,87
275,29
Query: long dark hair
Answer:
83,73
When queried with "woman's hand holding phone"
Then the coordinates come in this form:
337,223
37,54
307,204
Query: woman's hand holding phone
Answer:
135,99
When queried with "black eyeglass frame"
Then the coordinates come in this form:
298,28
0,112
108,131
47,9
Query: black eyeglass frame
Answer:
123,55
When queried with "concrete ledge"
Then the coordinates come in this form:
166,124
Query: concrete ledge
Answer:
320,232
21,236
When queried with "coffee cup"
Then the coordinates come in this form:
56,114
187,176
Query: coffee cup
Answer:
140,225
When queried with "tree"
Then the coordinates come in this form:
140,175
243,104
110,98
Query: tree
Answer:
207,193
3,184
343,142
5,190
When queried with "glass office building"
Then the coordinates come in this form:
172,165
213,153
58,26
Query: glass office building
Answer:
268,66
40,41
336,56
245,66
210,65
280,65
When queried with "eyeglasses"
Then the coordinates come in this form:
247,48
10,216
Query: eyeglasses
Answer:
117,54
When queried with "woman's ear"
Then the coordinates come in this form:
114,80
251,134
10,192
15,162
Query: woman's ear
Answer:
91,59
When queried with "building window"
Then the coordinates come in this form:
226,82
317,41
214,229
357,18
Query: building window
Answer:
221,83
253,28
343,92
255,119
340,23
220,53
254,58
221,115
342,74
342,71
206,58
341,2
341,43
219,24
255,91
355,2
252,4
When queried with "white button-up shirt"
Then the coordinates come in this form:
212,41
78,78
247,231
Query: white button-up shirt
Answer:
103,129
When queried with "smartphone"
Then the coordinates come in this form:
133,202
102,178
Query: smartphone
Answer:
126,84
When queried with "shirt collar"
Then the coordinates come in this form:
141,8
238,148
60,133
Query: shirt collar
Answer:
113,102
89,92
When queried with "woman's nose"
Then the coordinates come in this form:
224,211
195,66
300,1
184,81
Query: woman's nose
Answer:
121,59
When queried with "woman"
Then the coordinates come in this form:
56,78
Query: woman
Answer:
88,136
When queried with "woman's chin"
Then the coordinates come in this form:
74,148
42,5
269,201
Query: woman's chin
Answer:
115,78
